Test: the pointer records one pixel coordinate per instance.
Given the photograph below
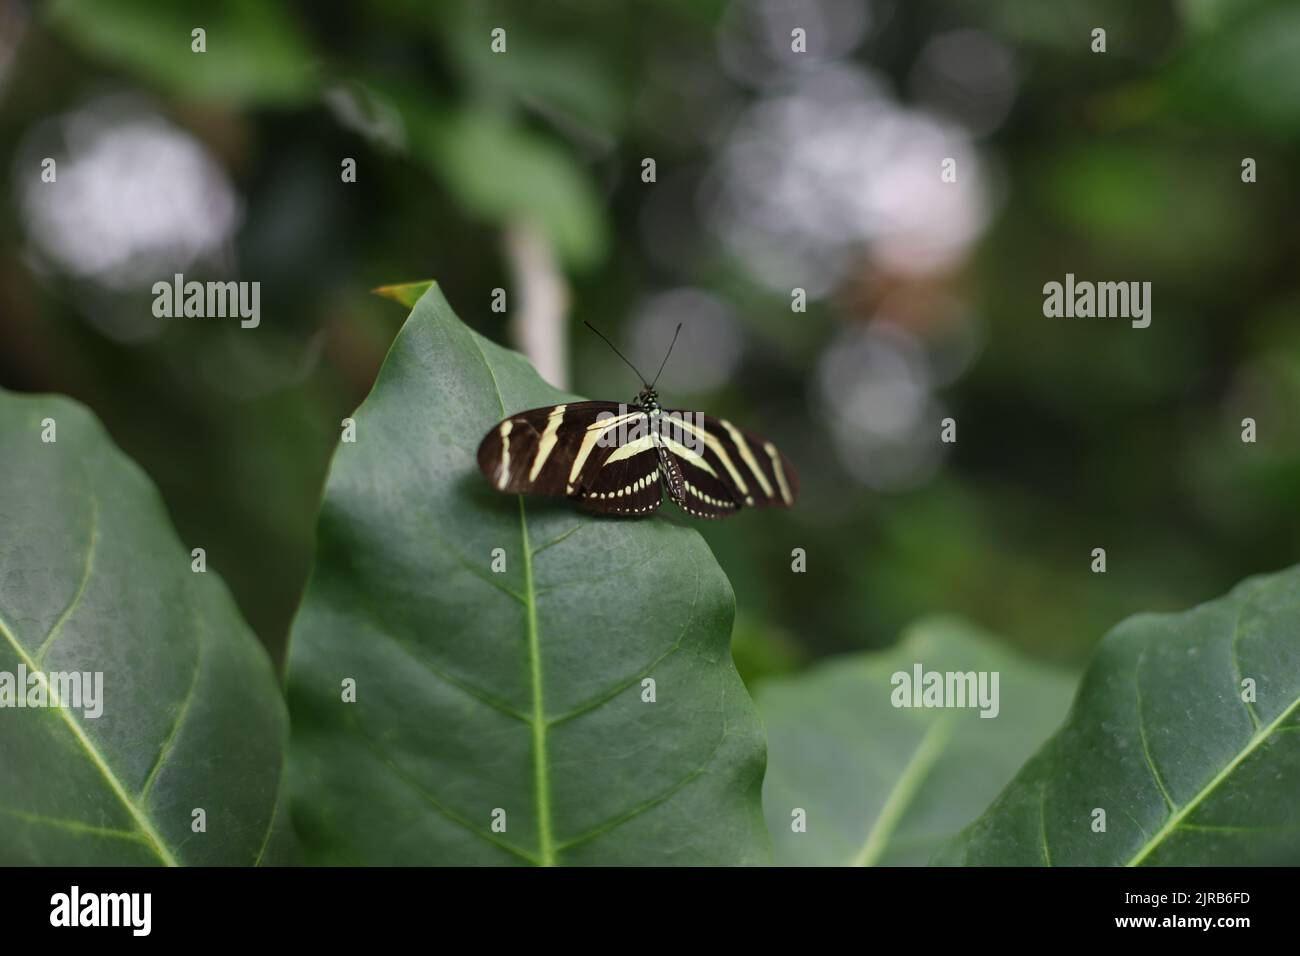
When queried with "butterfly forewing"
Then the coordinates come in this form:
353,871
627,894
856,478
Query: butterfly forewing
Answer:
544,450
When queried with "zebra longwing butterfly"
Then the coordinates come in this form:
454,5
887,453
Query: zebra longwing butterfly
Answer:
619,459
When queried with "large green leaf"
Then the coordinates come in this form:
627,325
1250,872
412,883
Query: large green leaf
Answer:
93,579
518,691
885,785
1161,739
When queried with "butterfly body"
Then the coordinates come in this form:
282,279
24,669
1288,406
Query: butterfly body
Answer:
620,459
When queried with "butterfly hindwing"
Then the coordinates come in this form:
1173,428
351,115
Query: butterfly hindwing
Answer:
625,477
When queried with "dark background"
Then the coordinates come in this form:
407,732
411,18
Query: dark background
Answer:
775,170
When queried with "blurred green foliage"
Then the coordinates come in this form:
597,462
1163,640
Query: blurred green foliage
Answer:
1073,434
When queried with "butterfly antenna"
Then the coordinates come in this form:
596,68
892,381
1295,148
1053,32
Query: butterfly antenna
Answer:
670,352
616,351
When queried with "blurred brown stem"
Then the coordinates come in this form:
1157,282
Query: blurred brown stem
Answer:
539,324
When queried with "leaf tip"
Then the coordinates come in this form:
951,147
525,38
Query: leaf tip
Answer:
405,293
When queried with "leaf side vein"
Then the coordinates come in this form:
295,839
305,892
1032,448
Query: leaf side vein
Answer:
165,751
93,755
1142,731
86,570
1176,820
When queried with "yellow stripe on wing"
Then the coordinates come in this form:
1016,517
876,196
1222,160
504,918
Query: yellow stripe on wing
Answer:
547,444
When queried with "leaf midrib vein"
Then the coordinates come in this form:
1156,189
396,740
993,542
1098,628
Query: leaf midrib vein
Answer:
918,766
140,819
1176,819
546,840
541,777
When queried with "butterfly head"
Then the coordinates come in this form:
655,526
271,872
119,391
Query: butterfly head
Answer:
648,400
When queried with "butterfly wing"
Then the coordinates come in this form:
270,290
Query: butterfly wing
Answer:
594,452
614,459
624,476
724,467
534,452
